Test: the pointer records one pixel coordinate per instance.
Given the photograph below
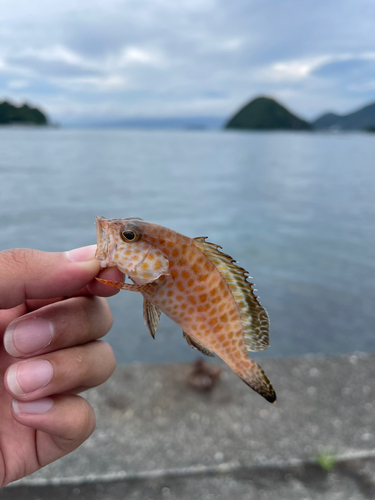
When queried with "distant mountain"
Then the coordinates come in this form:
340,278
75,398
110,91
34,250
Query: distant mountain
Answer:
22,115
264,113
362,119
163,123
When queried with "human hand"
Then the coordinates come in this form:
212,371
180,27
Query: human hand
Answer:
50,317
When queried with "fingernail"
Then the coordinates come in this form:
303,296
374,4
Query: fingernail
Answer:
28,376
35,407
82,254
28,336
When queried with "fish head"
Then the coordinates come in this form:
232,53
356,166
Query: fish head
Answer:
120,243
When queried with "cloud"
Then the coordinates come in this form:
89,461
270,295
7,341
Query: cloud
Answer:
95,84
349,67
136,55
148,58
328,65
293,70
54,53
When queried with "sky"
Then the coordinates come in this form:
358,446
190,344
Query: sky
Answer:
94,61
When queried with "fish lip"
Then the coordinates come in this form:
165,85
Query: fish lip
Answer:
102,251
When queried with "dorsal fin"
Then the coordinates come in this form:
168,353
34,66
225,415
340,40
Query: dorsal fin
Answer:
254,318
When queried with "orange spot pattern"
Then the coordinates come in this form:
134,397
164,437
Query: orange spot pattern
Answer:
192,292
200,301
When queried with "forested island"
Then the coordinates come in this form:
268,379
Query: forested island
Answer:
261,113
22,115
264,113
361,119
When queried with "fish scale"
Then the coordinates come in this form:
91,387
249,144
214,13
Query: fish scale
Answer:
197,286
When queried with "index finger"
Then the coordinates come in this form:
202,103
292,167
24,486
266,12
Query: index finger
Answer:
31,274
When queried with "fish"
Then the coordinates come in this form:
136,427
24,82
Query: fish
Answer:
202,289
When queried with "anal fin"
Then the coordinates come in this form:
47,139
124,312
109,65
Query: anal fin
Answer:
151,315
194,344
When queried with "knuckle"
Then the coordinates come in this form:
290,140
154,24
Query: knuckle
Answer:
88,421
99,364
80,310
110,358
107,312
101,311
17,258
15,264
106,315
95,316
84,422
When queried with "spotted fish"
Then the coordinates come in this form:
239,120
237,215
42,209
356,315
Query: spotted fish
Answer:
196,285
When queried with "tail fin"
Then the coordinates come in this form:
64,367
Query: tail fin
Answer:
254,377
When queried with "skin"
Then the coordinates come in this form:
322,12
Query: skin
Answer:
61,288
191,290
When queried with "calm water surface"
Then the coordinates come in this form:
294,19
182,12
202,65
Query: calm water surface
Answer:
297,211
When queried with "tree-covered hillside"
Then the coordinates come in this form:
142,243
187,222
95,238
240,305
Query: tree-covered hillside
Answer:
13,115
362,119
264,113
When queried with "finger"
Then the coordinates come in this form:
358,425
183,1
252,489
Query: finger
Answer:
58,325
63,423
34,304
68,370
93,288
31,274
109,273
8,315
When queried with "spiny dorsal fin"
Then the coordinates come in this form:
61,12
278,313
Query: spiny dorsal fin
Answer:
254,318
151,315
193,343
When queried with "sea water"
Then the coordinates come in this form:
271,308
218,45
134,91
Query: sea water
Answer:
297,210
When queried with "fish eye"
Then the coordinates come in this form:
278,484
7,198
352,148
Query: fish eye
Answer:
129,235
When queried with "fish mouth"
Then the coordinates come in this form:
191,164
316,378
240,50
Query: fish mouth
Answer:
104,242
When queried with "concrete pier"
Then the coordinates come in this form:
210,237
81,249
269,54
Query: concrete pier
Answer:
159,437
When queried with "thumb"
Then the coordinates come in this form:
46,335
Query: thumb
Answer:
31,274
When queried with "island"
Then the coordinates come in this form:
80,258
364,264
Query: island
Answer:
264,113
22,115
361,119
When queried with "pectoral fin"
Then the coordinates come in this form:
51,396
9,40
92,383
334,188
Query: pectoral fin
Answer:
194,344
151,315
125,286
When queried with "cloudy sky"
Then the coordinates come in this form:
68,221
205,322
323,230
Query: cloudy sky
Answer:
94,60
